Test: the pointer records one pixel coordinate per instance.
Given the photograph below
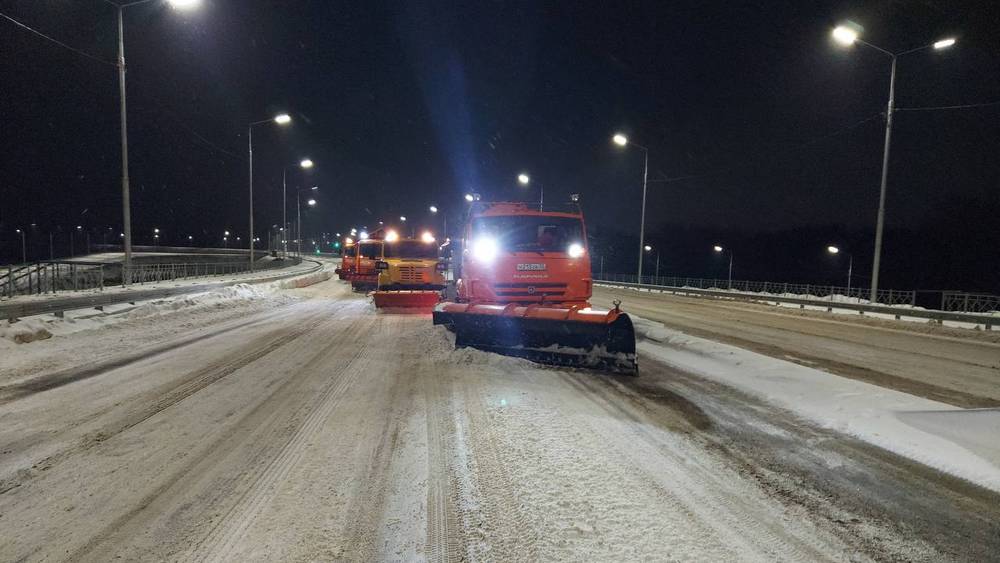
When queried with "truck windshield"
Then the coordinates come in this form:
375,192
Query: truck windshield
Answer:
350,251
410,249
530,233
371,249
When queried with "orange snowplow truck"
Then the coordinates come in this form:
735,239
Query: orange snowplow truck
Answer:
523,289
348,259
365,275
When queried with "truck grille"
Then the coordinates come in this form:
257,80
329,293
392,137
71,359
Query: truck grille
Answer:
529,289
413,274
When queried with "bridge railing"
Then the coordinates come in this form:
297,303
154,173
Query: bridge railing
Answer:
819,291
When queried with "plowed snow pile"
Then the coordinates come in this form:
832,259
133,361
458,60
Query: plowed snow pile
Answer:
879,416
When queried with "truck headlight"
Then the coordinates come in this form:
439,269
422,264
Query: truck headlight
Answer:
485,249
575,250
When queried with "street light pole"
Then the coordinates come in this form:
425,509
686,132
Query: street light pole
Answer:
284,206
621,140
250,144
126,201
880,222
126,204
280,119
848,35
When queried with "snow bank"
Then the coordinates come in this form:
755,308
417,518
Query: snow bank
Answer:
960,442
42,327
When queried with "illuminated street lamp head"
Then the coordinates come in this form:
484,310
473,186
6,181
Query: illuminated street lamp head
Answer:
845,35
311,202
226,233
523,179
184,4
391,236
283,119
314,188
306,163
18,231
647,248
717,248
156,231
620,140
363,235
402,218
434,209
469,198
944,43
832,249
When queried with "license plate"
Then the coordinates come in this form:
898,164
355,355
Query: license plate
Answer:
530,267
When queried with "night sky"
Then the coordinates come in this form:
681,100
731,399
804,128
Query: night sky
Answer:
763,134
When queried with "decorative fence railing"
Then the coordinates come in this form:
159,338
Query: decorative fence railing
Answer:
833,293
969,302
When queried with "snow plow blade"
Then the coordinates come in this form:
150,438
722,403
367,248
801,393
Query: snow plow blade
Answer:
402,299
568,336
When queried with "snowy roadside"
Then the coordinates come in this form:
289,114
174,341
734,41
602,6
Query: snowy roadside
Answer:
959,442
822,304
51,342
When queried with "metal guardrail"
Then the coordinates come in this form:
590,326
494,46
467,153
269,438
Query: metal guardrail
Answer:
57,276
16,309
987,321
885,296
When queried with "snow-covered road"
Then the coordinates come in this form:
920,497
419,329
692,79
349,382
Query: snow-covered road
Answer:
303,425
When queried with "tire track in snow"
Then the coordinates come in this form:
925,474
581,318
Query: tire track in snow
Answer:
223,541
445,540
264,421
174,393
502,524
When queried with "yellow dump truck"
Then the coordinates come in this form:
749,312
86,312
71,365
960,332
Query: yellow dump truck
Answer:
410,274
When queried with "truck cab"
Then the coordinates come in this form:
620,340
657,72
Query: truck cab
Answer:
513,253
410,264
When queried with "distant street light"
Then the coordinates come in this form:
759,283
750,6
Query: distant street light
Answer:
306,164
524,180
280,119
433,209
656,273
847,35
621,140
720,250
850,265
24,248
298,214
183,4
470,198
402,218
